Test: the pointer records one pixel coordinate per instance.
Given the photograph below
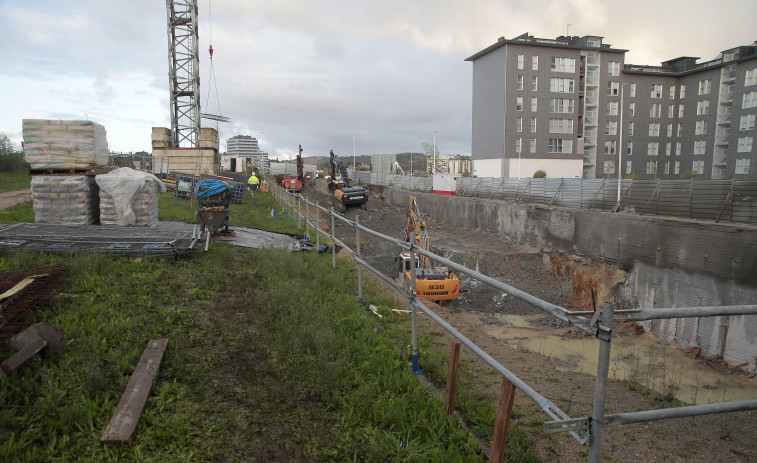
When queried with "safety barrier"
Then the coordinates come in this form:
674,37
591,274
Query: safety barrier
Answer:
588,429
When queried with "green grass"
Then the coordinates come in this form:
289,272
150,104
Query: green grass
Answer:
20,213
15,180
270,359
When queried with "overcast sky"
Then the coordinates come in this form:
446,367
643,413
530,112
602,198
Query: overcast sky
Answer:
318,73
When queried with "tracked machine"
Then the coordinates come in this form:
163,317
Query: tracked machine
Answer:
435,283
291,183
343,194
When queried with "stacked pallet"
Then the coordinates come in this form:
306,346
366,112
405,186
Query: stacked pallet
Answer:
208,138
161,137
65,199
129,197
64,145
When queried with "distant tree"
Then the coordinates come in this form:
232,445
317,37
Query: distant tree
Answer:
689,174
6,146
10,159
540,174
428,148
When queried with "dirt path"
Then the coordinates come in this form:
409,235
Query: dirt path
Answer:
13,197
485,315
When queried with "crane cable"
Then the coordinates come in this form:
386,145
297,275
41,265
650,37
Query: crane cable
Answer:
212,72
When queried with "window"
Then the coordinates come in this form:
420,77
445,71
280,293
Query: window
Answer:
745,145
700,128
533,124
563,64
750,78
655,110
705,86
747,122
654,129
533,145
611,128
631,109
561,105
519,124
613,88
667,150
679,129
534,83
610,147
519,84
652,148
666,169
629,148
678,149
612,108
633,90
670,130
534,63
609,167
703,107
628,167
656,91
749,100
682,91
630,129
533,104
671,108
672,92
559,85
520,61
517,145
519,103
558,145
677,167
698,167
651,167
742,166
561,126
613,68
699,146
680,111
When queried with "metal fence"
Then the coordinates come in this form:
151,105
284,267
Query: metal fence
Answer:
716,200
588,429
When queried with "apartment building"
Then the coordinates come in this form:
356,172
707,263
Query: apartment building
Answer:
573,108
243,150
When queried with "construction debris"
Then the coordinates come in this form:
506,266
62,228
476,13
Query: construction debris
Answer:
123,424
30,342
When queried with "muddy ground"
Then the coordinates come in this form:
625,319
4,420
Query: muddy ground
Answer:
481,311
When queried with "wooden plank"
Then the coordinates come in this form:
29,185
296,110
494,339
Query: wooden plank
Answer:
22,356
449,394
123,424
502,420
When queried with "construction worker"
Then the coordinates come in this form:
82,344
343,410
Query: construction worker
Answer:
253,183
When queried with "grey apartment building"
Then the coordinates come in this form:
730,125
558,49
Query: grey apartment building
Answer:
242,150
572,107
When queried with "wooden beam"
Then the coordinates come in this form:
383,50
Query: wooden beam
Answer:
22,356
502,421
449,394
123,424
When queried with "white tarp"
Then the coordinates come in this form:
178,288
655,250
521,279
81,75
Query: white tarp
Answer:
120,188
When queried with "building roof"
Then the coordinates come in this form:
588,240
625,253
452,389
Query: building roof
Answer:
568,42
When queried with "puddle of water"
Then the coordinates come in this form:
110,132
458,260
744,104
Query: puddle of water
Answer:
653,363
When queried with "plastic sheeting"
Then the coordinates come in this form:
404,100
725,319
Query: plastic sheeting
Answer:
61,144
129,197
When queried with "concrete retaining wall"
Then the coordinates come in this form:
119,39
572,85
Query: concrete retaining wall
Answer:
670,262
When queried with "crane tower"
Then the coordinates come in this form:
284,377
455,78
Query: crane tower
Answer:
183,72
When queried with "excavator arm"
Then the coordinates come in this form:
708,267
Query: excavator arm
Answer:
338,164
416,224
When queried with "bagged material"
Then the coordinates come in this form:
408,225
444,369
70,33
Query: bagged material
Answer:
58,144
129,197
65,199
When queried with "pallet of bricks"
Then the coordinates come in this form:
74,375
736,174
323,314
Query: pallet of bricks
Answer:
196,161
63,156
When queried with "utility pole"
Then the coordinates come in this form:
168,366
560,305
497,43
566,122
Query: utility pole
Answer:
433,169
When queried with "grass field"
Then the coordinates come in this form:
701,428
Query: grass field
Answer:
270,359
15,180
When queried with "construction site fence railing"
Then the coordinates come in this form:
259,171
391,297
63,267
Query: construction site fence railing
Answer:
588,429
714,200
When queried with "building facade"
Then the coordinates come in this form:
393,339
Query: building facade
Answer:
449,164
241,151
573,108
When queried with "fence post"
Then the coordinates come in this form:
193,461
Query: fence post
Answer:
307,217
299,215
359,267
317,227
414,315
502,420
333,242
449,397
604,333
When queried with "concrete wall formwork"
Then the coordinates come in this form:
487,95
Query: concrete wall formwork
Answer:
669,262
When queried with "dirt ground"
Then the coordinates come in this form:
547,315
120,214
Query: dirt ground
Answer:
13,197
480,310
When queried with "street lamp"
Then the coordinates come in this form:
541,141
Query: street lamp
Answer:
620,142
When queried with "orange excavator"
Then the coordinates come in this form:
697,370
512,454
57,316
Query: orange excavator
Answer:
435,283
